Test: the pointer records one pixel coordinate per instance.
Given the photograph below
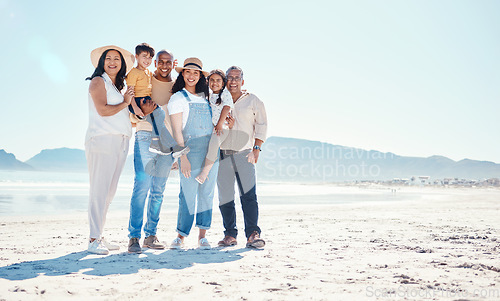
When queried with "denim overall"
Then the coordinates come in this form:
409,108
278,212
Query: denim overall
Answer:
193,197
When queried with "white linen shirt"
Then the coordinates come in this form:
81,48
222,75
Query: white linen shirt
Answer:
250,123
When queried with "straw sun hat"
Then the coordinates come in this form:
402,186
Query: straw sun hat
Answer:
193,64
96,54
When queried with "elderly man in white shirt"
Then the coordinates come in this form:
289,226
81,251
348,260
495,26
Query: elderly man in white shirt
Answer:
238,156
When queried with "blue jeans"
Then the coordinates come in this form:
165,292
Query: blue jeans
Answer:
156,119
151,173
196,199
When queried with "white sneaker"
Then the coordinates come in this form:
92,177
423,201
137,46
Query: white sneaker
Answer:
97,247
158,152
203,244
180,152
177,243
109,245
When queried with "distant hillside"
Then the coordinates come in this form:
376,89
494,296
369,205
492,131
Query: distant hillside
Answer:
304,160
59,159
289,159
9,162
68,159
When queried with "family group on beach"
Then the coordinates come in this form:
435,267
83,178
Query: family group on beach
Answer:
202,123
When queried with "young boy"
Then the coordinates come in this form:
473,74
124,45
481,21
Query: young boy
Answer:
140,78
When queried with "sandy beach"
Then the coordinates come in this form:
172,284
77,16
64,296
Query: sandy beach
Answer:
443,245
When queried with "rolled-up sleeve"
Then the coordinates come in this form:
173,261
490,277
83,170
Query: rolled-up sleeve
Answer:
260,126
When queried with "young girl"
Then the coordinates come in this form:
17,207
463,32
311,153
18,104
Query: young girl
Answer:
221,102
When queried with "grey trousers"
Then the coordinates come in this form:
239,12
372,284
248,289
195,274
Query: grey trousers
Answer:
234,167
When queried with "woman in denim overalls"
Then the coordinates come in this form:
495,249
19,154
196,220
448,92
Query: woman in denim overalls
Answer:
191,119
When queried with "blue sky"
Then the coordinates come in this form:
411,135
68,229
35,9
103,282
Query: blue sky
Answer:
415,78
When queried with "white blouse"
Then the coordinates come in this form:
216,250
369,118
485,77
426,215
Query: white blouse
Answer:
118,124
226,100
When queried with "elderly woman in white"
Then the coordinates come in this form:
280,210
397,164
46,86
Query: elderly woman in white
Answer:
108,134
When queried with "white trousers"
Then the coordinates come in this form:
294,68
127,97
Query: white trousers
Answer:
106,155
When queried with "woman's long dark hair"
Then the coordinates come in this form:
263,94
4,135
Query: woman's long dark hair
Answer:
201,85
120,77
224,82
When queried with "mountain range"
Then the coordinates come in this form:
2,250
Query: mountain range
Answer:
290,159
9,162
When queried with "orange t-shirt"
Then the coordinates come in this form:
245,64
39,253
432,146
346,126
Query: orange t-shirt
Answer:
141,80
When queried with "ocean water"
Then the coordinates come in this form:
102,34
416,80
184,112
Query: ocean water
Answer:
46,193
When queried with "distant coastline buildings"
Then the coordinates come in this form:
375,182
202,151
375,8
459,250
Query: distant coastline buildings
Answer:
446,182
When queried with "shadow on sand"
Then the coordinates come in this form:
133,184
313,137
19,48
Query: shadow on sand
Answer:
121,263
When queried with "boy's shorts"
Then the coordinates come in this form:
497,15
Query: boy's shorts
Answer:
139,101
